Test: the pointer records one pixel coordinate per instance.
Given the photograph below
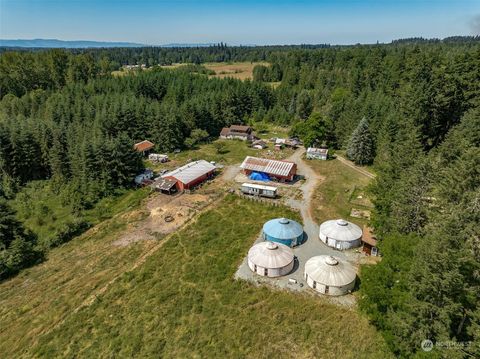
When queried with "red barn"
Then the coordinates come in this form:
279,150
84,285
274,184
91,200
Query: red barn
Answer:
191,174
281,170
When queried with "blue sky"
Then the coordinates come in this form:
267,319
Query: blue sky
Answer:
238,22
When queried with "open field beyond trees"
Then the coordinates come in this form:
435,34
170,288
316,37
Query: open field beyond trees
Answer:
183,302
236,70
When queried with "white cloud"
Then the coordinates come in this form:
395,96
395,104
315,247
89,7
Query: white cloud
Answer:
475,25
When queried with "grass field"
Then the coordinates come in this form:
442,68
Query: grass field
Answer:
39,297
236,70
183,302
339,192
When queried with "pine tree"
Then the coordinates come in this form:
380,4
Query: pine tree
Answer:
17,247
361,146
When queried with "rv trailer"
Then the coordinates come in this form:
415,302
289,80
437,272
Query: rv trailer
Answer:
259,190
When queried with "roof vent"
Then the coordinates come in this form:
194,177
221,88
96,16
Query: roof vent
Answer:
331,261
271,245
342,222
284,221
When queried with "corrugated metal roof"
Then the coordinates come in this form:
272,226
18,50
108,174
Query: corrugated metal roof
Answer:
317,150
330,270
341,230
270,255
164,184
191,171
283,228
274,167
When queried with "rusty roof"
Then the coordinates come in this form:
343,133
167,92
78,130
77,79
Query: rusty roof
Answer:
240,128
274,167
145,145
164,184
368,236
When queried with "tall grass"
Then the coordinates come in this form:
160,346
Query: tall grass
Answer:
183,302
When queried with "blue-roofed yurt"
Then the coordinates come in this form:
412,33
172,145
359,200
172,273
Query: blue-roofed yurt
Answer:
283,231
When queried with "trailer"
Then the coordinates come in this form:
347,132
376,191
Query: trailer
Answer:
156,157
259,190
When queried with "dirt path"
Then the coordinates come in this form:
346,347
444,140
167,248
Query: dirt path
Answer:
312,180
350,164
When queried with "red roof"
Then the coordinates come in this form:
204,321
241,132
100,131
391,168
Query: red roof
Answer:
144,146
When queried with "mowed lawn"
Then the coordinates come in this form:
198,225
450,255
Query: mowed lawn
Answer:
184,303
339,192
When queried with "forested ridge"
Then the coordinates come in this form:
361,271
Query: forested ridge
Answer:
411,109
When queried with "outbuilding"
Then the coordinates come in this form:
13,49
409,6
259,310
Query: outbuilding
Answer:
270,259
317,153
340,234
279,170
369,242
192,174
144,147
330,275
284,231
164,185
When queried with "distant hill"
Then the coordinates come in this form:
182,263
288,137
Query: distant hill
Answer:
54,43
188,45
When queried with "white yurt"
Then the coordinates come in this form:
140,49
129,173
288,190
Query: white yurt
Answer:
270,259
340,234
330,275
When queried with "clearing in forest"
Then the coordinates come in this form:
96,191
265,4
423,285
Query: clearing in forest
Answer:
236,70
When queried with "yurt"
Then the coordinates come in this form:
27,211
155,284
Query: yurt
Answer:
270,259
283,231
329,275
340,234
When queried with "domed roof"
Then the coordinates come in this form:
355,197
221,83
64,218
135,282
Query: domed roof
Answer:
270,255
283,228
330,270
341,230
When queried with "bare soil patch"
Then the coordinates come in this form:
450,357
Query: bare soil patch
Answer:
163,215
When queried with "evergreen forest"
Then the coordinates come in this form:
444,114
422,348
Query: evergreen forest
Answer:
409,109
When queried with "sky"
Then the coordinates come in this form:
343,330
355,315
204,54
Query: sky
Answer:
237,22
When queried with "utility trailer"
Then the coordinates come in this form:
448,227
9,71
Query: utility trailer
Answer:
259,190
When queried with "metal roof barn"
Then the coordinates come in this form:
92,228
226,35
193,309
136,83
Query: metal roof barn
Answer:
270,259
330,275
279,169
191,174
284,231
340,234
